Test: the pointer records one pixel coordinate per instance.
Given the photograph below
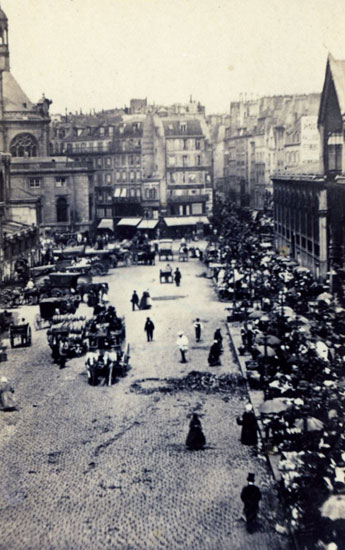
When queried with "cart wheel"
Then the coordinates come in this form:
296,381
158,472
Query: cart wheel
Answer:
71,242
38,321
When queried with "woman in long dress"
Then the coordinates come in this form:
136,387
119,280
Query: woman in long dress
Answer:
195,438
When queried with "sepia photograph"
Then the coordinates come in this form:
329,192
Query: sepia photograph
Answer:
172,275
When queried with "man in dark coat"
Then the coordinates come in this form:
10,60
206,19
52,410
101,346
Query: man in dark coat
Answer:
149,328
195,438
177,276
251,496
135,300
197,327
249,426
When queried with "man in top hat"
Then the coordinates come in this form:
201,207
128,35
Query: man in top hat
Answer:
251,496
149,328
135,300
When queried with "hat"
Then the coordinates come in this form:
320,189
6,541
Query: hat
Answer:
251,477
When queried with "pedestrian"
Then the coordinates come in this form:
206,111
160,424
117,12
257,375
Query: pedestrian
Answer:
177,276
182,342
55,348
195,439
198,327
249,425
251,496
145,302
7,401
63,350
149,328
214,354
218,336
135,300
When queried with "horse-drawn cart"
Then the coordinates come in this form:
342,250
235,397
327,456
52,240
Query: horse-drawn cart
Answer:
165,249
166,275
20,335
108,356
54,306
183,254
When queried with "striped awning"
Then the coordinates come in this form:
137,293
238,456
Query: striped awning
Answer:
133,222
106,224
185,220
147,224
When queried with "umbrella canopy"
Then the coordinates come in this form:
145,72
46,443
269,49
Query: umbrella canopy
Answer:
334,507
310,424
286,310
299,320
256,314
271,340
275,406
269,351
301,269
324,297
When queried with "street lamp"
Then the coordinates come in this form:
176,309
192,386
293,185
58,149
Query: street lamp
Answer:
233,264
265,368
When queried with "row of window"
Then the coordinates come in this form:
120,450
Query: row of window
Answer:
184,160
36,182
119,160
184,144
186,209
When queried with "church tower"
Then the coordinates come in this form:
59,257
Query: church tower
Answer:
4,50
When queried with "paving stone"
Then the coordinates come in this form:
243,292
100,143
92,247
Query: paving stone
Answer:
107,468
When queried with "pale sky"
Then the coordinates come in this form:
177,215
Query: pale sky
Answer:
101,53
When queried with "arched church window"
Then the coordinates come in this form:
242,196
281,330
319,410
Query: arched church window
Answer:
61,210
23,145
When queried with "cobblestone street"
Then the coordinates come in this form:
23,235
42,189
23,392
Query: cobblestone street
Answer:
107,468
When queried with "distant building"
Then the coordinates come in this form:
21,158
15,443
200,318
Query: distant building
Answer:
56,195
309,199
54,192
261,140
19,240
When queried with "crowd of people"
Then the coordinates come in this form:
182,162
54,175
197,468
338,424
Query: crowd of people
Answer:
293,331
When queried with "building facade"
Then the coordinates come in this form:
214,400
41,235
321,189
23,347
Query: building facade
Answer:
62,189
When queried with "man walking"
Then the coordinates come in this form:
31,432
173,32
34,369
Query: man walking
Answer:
177,276
251,496
182,342
197,327
149,328
135,300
